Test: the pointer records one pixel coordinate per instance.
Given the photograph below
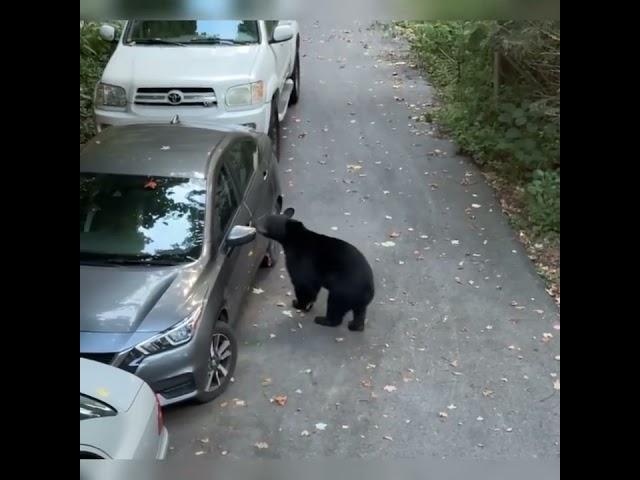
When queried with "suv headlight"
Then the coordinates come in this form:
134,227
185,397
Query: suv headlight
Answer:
245,95
110,96
177,335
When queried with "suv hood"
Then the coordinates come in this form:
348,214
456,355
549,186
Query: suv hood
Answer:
167,66
127,299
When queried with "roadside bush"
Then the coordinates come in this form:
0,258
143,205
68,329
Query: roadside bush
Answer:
499,83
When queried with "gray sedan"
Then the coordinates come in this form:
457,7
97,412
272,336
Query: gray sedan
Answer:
168,250
120,417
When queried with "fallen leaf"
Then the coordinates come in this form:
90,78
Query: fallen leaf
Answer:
287,313
390,388
304,433
258,291
280,400
476,205
546,337
261,445
239,403
165,147
339,339
443,414
556,384
200,452
394,235
388,244
367,383
152,184
388,437
266,381
321,426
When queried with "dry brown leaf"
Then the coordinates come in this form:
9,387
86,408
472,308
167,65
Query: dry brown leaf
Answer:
280,400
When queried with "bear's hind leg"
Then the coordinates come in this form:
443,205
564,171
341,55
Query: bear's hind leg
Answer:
336,310
359,316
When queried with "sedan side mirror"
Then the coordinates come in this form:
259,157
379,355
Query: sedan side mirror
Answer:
240,235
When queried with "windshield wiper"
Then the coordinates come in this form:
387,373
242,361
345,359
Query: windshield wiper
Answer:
155,41
217,41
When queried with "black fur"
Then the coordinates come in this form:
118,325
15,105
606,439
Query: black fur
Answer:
317,261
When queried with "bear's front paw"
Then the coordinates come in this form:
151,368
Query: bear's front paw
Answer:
297,305
324,322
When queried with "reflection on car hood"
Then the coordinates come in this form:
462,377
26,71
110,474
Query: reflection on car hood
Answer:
130,299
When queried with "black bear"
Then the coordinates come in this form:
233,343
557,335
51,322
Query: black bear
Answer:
315,261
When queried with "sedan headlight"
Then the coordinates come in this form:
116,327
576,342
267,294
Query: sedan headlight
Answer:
245,95
110,96
177,335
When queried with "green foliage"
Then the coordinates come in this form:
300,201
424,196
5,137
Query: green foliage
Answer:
543,200
506,118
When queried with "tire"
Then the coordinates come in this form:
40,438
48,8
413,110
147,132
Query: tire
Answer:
295,76
222,340
274,128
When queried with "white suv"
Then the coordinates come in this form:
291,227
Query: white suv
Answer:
241,72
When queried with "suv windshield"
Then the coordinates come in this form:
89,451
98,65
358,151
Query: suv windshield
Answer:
130,218
192,32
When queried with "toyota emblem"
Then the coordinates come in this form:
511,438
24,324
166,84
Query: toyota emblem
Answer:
174,97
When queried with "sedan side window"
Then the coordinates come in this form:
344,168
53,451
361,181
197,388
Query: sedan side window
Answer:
225,205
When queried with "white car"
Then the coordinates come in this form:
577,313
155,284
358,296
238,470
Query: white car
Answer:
244,72
120,416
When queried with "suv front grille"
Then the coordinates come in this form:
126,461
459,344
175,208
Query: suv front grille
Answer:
176,97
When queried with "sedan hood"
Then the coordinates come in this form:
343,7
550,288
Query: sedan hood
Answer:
133,299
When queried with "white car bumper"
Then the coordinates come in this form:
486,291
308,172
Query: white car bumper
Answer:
257,118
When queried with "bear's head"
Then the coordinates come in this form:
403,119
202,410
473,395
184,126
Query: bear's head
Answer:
278,227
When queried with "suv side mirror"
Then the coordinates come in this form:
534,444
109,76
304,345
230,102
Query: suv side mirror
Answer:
107,33
282,33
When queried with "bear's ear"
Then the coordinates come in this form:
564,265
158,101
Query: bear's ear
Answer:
289,212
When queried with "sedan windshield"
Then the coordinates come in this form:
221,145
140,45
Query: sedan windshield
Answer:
140,219
192,32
